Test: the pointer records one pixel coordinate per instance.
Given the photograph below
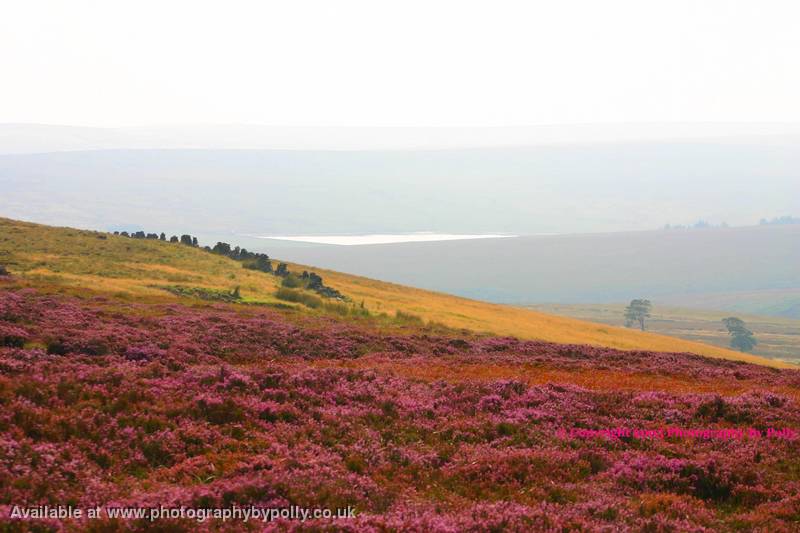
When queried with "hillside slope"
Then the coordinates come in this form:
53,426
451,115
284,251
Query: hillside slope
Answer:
77,260
116,393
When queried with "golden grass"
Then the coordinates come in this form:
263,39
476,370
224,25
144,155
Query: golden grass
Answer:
457,312
77,258
118,265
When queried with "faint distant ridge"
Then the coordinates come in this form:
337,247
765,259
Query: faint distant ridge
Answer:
20,138
704,224
700,224
780,221
519,191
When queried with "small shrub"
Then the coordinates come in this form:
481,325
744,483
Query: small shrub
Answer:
12,336
291,295
156,454
143,353
96,347
408,319
203,293
343,309
220,411
57,347
291,282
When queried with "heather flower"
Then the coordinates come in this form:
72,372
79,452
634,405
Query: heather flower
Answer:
215,405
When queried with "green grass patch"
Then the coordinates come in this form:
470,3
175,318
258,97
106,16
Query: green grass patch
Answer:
203,293
296,296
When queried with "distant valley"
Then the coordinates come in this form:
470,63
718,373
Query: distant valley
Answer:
750,270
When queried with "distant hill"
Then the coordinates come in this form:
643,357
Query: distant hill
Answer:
552,188
746,270
76,261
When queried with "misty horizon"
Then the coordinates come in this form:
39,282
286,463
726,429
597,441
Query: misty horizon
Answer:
30,138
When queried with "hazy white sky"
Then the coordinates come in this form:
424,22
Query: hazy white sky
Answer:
410,63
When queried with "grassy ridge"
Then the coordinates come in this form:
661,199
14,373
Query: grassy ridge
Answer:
80,260
108,263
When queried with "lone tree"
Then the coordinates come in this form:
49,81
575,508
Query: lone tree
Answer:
741,338
637,312
3,271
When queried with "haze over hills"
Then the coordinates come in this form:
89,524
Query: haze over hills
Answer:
749,269
564,188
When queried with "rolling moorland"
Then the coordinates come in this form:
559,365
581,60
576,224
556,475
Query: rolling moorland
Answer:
117,392
778,337
132,268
